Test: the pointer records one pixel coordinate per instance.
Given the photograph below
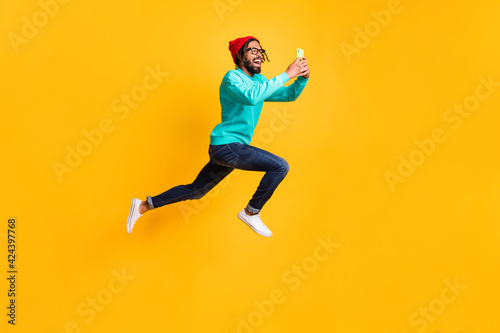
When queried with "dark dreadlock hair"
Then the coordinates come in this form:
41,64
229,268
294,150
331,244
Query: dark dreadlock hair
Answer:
241,53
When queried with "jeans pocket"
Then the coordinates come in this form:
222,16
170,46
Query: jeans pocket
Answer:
224,155
213,149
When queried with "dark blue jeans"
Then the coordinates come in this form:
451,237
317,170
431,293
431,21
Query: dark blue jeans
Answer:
223,160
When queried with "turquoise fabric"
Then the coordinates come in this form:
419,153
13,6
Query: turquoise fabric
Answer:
242,98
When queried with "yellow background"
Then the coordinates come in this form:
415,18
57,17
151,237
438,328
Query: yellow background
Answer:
193,266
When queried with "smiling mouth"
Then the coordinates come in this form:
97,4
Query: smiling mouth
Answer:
257,62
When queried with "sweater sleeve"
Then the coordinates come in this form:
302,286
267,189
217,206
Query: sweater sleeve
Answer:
290,93
235,89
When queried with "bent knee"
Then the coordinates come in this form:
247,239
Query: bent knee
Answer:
284,167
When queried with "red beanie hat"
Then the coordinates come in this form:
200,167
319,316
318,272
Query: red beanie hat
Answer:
235,46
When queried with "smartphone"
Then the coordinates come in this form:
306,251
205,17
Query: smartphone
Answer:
300,53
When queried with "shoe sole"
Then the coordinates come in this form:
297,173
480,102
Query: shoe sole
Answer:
258,233
132,208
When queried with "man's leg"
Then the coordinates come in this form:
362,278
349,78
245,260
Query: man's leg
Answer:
208,178
251,158
276,168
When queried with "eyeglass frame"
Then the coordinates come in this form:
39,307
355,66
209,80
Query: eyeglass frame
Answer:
261,51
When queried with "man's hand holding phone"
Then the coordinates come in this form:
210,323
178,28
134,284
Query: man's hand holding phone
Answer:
299,66
304,69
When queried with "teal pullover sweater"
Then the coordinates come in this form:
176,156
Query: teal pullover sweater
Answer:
241,100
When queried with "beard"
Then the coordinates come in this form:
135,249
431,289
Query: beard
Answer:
251,67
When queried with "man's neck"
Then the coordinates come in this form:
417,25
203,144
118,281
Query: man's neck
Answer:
244,70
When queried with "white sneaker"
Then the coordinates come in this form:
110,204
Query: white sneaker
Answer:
134,214
254,222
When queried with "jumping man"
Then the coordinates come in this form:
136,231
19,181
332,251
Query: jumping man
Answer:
243,92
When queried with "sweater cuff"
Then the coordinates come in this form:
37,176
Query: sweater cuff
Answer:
283,77
302,80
